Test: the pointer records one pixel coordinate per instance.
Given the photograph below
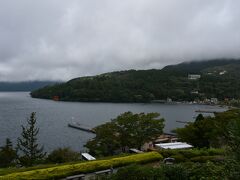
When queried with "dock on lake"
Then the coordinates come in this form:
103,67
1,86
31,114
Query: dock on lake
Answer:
81,127
205,111
184,122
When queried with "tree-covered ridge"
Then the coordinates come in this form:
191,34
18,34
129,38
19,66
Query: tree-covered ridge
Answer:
219,79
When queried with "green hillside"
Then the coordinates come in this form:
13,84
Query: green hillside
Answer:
219,79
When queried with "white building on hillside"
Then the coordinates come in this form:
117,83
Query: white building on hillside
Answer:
194,76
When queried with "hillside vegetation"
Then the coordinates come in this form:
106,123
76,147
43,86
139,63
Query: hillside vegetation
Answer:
219,79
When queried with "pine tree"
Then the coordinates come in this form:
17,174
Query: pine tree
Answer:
7,154
27,143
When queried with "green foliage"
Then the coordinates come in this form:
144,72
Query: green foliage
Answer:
189,171
234,139
206,171
232,169
194,155
204,159
199,117
147,85
27,144
232,164
9,170
133,172
209,131
197,133
164,172
7,154
62,155
126,131
179,158
175,172
62,171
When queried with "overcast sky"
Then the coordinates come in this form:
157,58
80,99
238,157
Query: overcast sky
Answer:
64,39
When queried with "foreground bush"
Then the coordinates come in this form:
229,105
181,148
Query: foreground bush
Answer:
164,172
62,155
7,154
85,167
183,171
207,170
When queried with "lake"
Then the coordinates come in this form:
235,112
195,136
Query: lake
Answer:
53,117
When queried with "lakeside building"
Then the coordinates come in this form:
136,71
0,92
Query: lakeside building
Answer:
194,76
87,157
214,100
194,92
222,72
174,145
164,138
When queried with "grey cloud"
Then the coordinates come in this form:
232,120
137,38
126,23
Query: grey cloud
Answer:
60,39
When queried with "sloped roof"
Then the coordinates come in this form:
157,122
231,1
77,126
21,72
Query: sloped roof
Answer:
174,145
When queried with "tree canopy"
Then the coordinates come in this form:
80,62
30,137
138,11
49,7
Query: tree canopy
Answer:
128,130
209,131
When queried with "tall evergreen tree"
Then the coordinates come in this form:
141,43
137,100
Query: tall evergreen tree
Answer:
27,143
7,154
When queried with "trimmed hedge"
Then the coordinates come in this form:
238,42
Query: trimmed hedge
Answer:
5,171
204,159
62,171
194,155
163,172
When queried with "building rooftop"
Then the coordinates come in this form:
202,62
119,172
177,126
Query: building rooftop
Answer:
174,145
88,156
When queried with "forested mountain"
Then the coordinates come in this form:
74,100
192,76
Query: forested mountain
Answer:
24,86
219,79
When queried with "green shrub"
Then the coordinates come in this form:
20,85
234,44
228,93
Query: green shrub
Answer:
231,169
179,158
213,151
196,155
173,172
62,155
203,159
206,171
190,153
84,167
7,154
136,172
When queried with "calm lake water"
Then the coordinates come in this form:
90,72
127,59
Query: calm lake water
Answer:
53,117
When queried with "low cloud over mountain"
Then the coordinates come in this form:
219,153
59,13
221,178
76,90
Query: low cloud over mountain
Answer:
60,40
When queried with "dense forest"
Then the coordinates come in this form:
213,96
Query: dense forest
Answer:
218,79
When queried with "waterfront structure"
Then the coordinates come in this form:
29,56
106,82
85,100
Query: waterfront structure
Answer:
174,145
214,100
194,76
88,157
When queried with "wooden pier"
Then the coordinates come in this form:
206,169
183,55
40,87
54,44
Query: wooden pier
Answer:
81,127
205,111
184,122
